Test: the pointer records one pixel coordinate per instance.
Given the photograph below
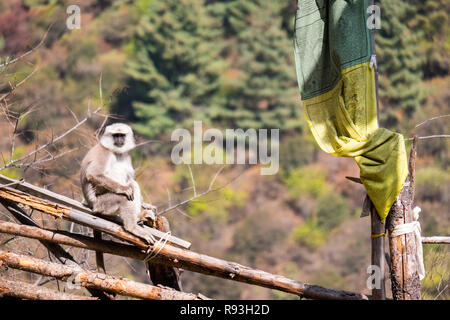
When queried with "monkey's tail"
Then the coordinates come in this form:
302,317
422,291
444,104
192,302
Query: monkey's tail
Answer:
99,255
159,274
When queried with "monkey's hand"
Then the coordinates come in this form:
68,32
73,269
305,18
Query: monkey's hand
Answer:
127,191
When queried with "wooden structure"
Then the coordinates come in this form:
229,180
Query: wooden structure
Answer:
404,267
173,253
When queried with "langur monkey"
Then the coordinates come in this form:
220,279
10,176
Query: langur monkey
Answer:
108,185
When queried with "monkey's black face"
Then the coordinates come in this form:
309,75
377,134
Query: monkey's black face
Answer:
119,139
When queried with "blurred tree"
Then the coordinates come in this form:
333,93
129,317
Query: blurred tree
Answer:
259,90
15,33
175,66
224,62
432,23
399,62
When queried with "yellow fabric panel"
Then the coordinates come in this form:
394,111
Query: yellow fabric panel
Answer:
344,123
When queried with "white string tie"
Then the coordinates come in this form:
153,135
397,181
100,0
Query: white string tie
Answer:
406,228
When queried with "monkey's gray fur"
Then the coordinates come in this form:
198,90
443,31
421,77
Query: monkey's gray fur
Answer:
108,185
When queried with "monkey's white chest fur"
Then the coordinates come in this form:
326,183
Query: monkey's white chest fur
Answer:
120,169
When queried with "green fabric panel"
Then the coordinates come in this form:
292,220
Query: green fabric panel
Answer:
332,53
329,36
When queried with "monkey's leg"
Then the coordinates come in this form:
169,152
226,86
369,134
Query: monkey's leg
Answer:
106,204
130,214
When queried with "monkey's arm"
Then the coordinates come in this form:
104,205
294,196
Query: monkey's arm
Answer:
98,178
89,194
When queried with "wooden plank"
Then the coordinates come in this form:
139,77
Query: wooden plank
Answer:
61,206
42,193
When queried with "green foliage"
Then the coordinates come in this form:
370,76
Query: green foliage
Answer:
328,209
432,184
332,210
435,283
258,233
431,21
259,89
14,173
227,63
307,180
296,151
175,66
309,235
218,204
399,63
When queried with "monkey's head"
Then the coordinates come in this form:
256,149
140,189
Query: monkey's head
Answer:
118,138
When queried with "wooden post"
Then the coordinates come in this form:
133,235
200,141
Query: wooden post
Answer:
378,256
404,276
377,228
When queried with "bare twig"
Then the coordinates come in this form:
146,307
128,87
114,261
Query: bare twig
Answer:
431,119
7,63
147,142
3,97
430,137
52,141
192,179
99,130
196,196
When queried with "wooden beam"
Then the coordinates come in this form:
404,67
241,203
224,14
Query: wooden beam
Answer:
404,276
436,240
188,260
23,290
94,280
61,206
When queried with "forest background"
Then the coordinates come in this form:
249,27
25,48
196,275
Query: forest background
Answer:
229,63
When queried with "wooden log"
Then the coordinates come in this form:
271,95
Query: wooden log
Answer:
23,290
436,240
60,254
72,239
188,260
404,267
377,253
61,206
94,280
